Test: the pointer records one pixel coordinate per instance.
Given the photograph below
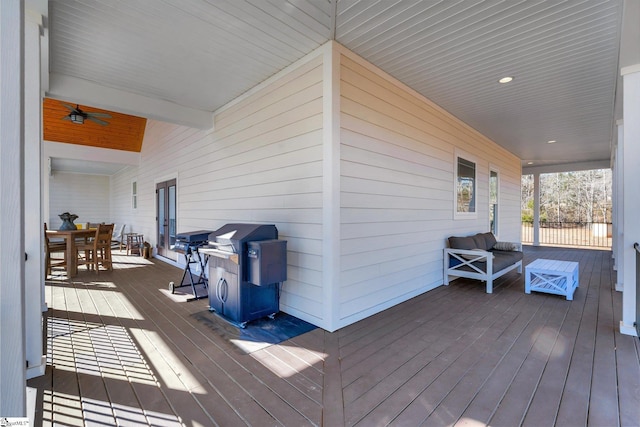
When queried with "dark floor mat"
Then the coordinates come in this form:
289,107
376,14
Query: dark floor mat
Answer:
257,334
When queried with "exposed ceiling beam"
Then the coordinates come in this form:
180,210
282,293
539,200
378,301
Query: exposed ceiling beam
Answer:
82,152
567,167
82,91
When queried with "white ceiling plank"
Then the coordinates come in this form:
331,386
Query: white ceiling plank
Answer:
319,10
294,18
246,15
203,54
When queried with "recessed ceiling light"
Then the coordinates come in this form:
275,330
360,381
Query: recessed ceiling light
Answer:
506,79
552,141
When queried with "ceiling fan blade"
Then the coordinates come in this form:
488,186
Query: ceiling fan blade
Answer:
68,107
105,115
98,121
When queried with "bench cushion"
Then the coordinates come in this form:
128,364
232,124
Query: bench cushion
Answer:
501,260
484,241
504,259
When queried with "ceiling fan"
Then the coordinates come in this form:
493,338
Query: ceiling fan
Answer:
78,116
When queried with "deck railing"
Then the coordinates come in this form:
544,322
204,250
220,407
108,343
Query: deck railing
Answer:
593,234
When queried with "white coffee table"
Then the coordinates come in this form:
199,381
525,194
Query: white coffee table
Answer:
552,277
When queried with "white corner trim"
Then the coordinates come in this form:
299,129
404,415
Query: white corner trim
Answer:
630,69
331,185
619,287
626,329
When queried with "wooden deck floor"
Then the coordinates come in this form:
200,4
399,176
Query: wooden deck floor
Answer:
123,352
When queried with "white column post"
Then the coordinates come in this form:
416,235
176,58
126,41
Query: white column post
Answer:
536,209
33,239
631,203
614,192
619,208
13,385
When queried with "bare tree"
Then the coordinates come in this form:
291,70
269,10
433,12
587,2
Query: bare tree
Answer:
582,196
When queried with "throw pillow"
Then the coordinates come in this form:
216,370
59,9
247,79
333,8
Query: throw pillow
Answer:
505,246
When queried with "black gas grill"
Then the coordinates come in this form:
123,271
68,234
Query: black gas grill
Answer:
247,263
188,244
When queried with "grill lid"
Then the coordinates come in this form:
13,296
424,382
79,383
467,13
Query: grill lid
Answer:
193,237
233,237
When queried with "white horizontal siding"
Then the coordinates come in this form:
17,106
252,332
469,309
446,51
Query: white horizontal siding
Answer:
397,170
262,163
87,196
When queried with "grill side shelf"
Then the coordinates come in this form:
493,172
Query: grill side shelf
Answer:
220,254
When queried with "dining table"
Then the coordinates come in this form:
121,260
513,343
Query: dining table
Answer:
70,237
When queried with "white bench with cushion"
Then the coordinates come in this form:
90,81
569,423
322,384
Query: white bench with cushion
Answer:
480,257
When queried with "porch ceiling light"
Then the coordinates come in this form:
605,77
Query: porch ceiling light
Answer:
529,163
506,79
551,141
76,118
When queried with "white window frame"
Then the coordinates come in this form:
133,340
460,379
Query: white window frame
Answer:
469,158
134,195
494,168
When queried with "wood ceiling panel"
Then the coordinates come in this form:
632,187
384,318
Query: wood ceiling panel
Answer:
123,132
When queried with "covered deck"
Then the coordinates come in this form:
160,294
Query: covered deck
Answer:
123,352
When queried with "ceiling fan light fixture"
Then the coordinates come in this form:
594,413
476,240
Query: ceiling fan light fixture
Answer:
76,118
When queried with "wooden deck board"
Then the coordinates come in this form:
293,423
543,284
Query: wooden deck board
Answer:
488,399
603,405
468,386
467,335
574,404
482,334
122,351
